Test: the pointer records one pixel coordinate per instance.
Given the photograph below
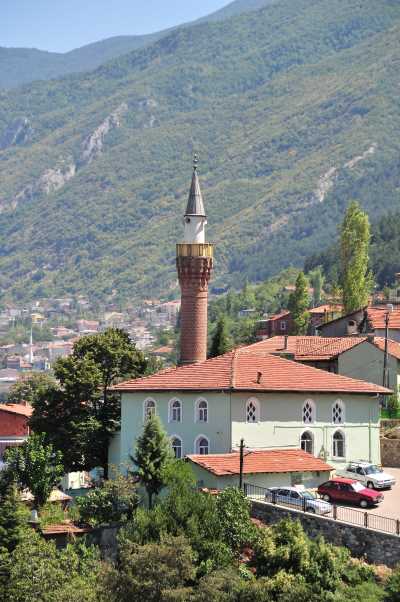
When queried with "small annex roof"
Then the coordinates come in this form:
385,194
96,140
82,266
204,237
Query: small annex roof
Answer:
16,408
376,317
249,369
261,461
195,205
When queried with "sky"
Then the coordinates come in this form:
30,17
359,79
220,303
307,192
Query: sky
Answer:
62,25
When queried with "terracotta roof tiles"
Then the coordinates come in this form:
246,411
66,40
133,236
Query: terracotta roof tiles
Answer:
265,461
249,369
15,408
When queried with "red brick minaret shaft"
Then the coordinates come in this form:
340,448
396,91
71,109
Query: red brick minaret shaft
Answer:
194,262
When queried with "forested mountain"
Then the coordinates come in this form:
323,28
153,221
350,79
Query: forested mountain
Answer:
23,65
294,110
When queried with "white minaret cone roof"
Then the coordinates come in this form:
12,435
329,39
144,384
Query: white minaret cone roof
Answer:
195,205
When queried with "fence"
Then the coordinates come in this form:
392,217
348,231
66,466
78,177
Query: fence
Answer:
340,513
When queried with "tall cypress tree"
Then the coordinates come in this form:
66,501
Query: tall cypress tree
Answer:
298,306
356,279
221,342
152,456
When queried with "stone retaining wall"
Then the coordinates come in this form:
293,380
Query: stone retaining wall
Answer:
390,452
374,546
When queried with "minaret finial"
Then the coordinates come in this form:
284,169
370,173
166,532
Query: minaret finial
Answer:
195,160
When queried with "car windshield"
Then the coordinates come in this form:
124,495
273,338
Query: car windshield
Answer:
357,486
372,469
308,495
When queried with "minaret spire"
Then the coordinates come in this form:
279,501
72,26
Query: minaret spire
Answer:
194,261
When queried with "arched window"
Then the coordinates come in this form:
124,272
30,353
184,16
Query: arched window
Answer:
338,412
307,442
201,411
202,446
308,411
149,408
252,410
175,410
176,444
338,445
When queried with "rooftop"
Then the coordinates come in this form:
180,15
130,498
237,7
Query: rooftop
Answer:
249,369
16,408
269,461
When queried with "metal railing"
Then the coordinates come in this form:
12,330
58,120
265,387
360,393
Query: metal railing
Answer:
341,514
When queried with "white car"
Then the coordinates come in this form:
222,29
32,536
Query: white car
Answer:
370,475
300,499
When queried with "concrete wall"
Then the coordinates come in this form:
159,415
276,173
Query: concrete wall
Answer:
390,452
338,328
114,452
376,547
280,424
365,361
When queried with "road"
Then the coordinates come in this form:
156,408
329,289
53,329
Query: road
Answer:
390,506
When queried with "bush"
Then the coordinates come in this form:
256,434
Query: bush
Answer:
114,502
392,589
233,510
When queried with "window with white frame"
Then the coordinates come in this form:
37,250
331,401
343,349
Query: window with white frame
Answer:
149,408
252,411
202,446
307,442
175,410
176,444
338,412
283,325
202,411
308,411
338,445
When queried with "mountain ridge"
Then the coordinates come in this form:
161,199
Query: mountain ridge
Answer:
271,114
19,66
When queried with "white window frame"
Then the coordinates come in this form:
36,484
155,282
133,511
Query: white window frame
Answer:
145,408
311,402
171,410
282,325
196,445
344,444
312,440
197,410
343,405
256,403
181,441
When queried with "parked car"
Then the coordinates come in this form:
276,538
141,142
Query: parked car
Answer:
349,491
369,474
298,498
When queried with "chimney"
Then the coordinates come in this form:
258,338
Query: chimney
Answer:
285,347
259,376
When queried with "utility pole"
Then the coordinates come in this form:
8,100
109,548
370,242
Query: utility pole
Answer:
241,463
385,380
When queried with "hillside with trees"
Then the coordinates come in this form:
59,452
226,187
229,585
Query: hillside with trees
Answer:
293,109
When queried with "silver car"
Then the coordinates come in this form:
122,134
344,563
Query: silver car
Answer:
301,499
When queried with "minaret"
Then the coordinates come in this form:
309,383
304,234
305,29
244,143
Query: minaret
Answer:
194,262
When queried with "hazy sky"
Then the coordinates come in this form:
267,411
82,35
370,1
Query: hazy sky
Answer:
61,25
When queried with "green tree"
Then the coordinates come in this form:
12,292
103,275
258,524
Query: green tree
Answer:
29,386
13,523
392,588
153,572
298,305
115,501
317,282
81,414
152,455
221,342
35,466
356,279
41,573
233,510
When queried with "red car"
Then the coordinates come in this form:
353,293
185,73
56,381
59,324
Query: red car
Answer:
350,491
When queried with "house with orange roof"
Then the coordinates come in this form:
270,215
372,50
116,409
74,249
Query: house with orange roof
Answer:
367,320
14,428
269,401
361,357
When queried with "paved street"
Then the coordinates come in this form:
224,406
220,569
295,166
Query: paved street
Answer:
390,506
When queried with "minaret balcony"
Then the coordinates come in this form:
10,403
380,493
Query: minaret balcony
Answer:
195,250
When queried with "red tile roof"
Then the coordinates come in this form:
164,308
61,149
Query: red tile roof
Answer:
269,461
249,369
15,408
376,317
328,308
309,348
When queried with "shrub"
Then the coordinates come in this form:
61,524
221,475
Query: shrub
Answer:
115,501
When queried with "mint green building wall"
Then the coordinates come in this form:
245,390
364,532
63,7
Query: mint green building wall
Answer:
114,453
365,361
280,424
217,429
